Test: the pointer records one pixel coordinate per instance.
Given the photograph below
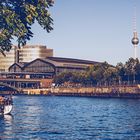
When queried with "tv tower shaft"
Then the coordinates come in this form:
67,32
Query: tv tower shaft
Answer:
135,39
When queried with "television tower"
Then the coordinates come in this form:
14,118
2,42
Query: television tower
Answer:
135,39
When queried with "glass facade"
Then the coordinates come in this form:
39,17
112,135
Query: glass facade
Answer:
25,54
15,68
8,60
31,52
67,69
39,67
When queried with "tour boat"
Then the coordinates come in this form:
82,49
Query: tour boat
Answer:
6,105
7,109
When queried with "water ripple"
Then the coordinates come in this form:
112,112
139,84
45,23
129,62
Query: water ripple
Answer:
71,118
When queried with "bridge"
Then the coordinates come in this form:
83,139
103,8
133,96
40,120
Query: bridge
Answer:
5,87
18,81
18,84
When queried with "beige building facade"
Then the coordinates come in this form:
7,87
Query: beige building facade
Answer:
25,54
6,61
31,52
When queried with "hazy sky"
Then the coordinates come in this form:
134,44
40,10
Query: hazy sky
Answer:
98,30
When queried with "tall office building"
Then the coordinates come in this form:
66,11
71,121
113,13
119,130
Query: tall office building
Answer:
25,54
10,58
31,52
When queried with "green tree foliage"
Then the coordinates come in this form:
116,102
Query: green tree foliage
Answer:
17,17
104,74
130,68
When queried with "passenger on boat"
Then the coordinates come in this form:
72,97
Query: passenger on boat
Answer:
1,100
8,100
1,104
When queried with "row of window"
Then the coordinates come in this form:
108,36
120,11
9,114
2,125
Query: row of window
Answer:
33,69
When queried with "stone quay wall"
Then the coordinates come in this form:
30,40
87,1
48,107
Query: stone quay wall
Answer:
110,91
103,91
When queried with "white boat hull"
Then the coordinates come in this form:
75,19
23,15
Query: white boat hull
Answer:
7,109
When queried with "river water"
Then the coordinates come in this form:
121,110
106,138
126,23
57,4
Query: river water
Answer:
71,118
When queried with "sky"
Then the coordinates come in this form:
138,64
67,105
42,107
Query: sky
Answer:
97,30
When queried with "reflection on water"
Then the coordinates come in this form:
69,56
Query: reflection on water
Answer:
8,118
71,118
5,126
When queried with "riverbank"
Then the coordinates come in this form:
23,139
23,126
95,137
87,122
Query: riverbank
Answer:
102,91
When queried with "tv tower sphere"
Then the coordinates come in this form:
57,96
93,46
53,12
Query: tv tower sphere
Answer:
135,40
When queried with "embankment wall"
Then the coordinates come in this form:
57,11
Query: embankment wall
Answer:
110,91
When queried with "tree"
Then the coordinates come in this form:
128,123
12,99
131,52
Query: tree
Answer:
130,68
103,74
120,71
138,72
90,75
17,17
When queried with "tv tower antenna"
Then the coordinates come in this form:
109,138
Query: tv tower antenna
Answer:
135,39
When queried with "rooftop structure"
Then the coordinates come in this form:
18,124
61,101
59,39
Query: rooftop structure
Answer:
25,54
30,52
52,66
